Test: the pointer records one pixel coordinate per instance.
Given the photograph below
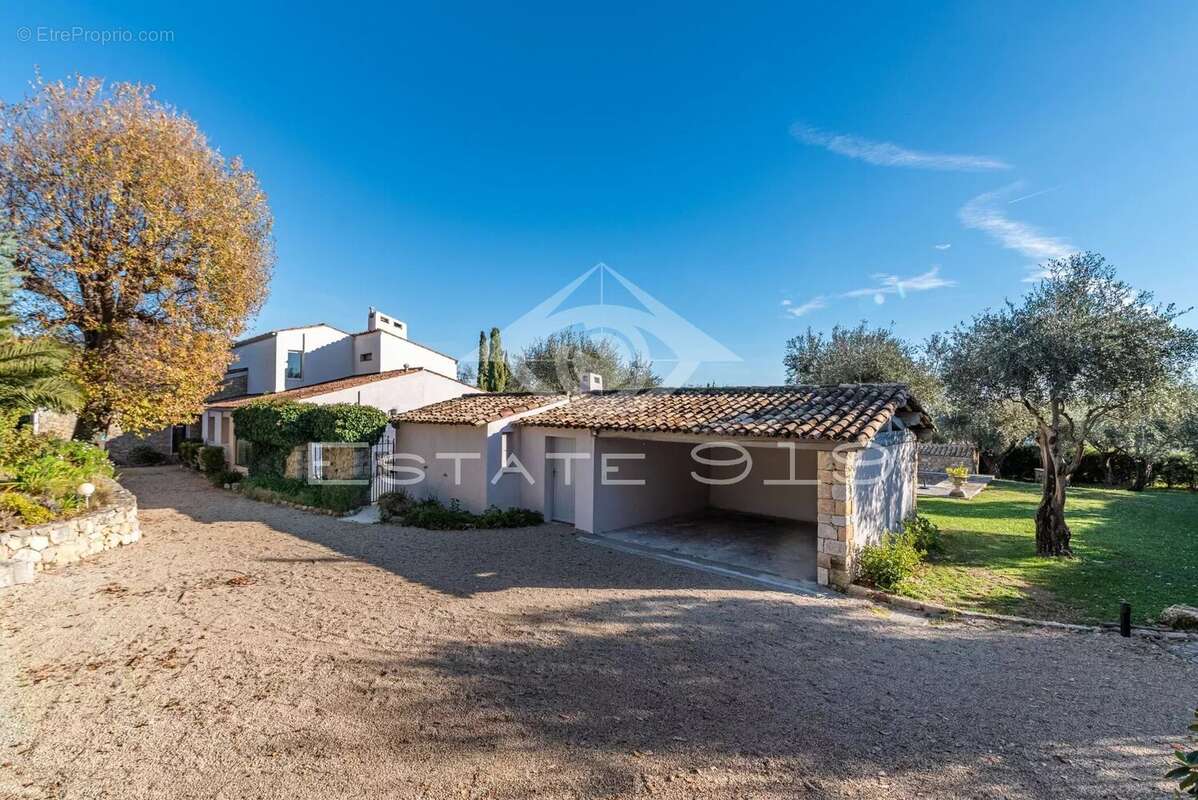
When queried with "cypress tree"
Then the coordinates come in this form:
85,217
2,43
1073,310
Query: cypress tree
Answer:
482,379
497,369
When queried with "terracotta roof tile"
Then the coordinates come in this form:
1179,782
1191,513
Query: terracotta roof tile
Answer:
847,413
478,409
314,389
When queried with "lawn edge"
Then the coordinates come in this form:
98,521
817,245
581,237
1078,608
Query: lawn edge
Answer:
931,609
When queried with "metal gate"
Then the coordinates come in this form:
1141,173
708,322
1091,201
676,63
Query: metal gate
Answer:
378,476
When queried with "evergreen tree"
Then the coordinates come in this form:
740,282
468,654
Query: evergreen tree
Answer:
33,372
482,361
497,368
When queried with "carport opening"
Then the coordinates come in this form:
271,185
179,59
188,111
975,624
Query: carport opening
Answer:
748,515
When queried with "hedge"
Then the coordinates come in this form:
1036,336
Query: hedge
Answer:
276,427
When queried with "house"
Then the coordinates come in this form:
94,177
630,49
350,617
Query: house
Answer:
837,462
393,391
317,355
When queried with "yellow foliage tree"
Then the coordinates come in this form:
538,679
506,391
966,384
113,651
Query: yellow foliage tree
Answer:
137,240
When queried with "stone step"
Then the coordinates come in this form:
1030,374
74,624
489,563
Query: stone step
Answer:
14,572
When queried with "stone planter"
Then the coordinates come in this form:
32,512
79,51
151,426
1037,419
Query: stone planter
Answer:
24,551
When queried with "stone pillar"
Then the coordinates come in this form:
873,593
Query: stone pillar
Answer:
835,472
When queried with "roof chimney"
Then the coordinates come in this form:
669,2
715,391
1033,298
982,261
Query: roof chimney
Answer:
590,382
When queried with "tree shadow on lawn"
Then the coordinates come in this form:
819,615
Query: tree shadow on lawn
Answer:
793,697
1120,552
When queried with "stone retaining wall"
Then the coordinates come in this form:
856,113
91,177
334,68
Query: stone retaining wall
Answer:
26,550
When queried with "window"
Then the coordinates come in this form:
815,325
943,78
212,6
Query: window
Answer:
295,364
505,447
244,453
366,357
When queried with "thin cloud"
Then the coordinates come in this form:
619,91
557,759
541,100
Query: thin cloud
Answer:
888,154
981,214
1030,196
888,284
814,304
944,246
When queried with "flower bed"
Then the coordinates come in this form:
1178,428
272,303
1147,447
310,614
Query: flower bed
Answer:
24,551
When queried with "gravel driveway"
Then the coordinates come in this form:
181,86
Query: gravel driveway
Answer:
243,650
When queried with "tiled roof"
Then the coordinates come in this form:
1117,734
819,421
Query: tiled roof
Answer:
848,413
952,449
314,389
478,409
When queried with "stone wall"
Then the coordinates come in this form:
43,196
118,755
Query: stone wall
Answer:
26,550
120,444
939,456
834,528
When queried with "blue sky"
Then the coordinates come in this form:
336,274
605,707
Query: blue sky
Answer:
457,166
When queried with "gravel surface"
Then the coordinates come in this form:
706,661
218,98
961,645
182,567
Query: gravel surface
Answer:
243,650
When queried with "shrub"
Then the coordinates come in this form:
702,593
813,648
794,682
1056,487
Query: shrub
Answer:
960,473
189,451
495,517
335,497
145,456
344,422
212,459
1022,463
432,515
925,535
393,505
1185,773
275,427
29,510
225,476
1178,470
887,565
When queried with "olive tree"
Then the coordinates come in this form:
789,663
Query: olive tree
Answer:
862,355
1081,348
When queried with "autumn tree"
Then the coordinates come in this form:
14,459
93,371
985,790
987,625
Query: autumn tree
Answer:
137,240
1081,349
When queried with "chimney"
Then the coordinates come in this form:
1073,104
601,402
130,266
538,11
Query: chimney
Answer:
590,382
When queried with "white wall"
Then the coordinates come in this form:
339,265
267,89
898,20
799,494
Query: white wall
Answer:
439,478
399,353
327,355
668,488
531,449
884,491
401,393
754,496
259,360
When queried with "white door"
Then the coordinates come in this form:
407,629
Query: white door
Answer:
561,505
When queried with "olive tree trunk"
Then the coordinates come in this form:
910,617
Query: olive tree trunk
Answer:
1052,534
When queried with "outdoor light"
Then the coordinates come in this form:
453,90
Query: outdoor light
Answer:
87,490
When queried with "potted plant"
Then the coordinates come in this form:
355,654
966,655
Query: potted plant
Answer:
958,476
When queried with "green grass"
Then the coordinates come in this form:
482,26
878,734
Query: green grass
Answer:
1136,546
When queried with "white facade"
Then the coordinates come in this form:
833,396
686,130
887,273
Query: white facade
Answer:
294,357
392,395
465,462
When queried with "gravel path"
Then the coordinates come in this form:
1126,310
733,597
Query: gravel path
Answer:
243,650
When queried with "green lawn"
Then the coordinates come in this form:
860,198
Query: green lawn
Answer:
1141,547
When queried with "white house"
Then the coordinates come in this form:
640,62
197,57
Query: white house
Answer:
289,358
839,462
398,374
394,392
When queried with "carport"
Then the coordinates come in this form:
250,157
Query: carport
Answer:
744,503
748,476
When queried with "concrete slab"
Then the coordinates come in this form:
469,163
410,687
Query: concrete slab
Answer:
944,488
367,516
784,548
